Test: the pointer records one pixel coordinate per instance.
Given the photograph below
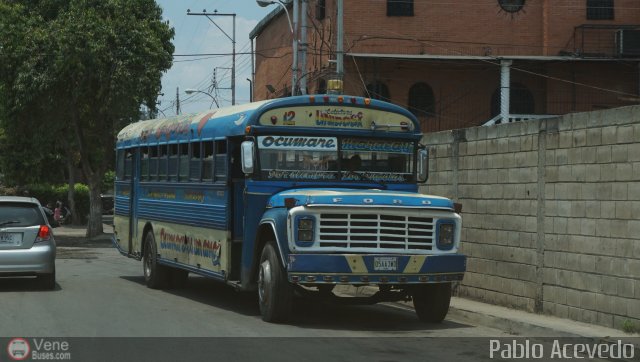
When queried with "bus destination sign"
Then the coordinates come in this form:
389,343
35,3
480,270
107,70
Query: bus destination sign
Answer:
335,117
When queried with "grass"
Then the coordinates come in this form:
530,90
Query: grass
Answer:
630,327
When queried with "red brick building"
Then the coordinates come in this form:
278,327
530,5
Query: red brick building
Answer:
445,60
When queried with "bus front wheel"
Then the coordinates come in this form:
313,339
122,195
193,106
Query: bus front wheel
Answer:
155,275
274,291
432,301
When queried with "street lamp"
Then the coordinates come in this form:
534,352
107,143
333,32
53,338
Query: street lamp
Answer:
292,26
250,90
191,91
265,3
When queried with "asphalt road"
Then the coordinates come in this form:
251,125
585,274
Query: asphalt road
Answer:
102,294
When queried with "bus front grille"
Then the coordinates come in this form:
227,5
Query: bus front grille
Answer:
383,231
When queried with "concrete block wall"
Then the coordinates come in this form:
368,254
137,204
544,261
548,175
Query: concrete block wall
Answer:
551,212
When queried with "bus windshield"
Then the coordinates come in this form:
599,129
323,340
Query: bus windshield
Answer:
335,158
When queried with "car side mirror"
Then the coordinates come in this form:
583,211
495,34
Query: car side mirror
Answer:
247,157
423,165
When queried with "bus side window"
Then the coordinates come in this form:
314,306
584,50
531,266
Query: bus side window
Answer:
195,164
128,163
153,163
183,162
162,163
144,163
221,161
173,162
120,165
207,161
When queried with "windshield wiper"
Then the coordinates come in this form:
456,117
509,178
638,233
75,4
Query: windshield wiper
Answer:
9,222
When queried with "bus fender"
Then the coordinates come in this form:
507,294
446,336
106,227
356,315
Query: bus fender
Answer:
275,221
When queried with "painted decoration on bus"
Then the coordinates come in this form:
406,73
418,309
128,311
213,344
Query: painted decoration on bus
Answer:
336,117
190,247
167,128
161,194
298,143
357,144
374,176
301,175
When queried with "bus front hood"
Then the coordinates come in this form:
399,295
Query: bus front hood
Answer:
357,197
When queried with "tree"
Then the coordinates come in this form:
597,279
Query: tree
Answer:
27,148
102,60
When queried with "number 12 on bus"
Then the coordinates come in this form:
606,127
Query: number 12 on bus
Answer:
288,196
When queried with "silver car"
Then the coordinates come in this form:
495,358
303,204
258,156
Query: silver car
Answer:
27,246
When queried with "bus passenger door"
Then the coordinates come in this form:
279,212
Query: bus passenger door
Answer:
237,189
133,155
237,184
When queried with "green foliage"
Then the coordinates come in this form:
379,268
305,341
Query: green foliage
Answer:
630,327
50,194
108,181
72,73
9,191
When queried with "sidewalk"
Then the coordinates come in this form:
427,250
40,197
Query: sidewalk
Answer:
69,235
517,322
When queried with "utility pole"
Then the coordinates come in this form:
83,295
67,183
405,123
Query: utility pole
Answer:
233,41
294,65
340,40
177,100
304,30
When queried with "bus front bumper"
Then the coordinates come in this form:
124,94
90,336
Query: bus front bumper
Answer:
358,269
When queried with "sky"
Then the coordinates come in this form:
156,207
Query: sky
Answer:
197,35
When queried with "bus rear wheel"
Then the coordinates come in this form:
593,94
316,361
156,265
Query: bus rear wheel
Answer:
155,275
275,294
432,301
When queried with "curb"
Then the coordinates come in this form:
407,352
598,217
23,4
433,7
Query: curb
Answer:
514,326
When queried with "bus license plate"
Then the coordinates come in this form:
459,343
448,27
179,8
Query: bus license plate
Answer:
385,263
10,238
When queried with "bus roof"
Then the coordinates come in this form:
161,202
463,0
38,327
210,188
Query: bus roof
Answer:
308,113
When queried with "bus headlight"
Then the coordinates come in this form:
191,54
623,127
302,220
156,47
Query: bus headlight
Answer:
305,229
446,233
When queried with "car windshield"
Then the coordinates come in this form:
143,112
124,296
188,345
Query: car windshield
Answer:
20,214
333,158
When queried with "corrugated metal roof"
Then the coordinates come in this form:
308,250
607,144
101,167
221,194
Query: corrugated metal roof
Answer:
483,58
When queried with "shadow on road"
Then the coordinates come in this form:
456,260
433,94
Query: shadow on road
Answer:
24,284
82,242
212,293
307,313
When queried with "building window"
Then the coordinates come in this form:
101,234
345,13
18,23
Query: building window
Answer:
320,9
378,90
422,103
599,9
399,7
520,97
322,87
511,6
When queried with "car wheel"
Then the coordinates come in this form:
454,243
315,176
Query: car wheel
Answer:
432,301
275,294
155,275
47,281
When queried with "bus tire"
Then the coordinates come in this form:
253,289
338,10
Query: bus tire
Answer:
155,275
432,301
275,294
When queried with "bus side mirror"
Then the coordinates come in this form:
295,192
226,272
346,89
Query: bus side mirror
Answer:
423,165
247,157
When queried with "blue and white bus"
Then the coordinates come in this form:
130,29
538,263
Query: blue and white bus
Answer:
290,195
